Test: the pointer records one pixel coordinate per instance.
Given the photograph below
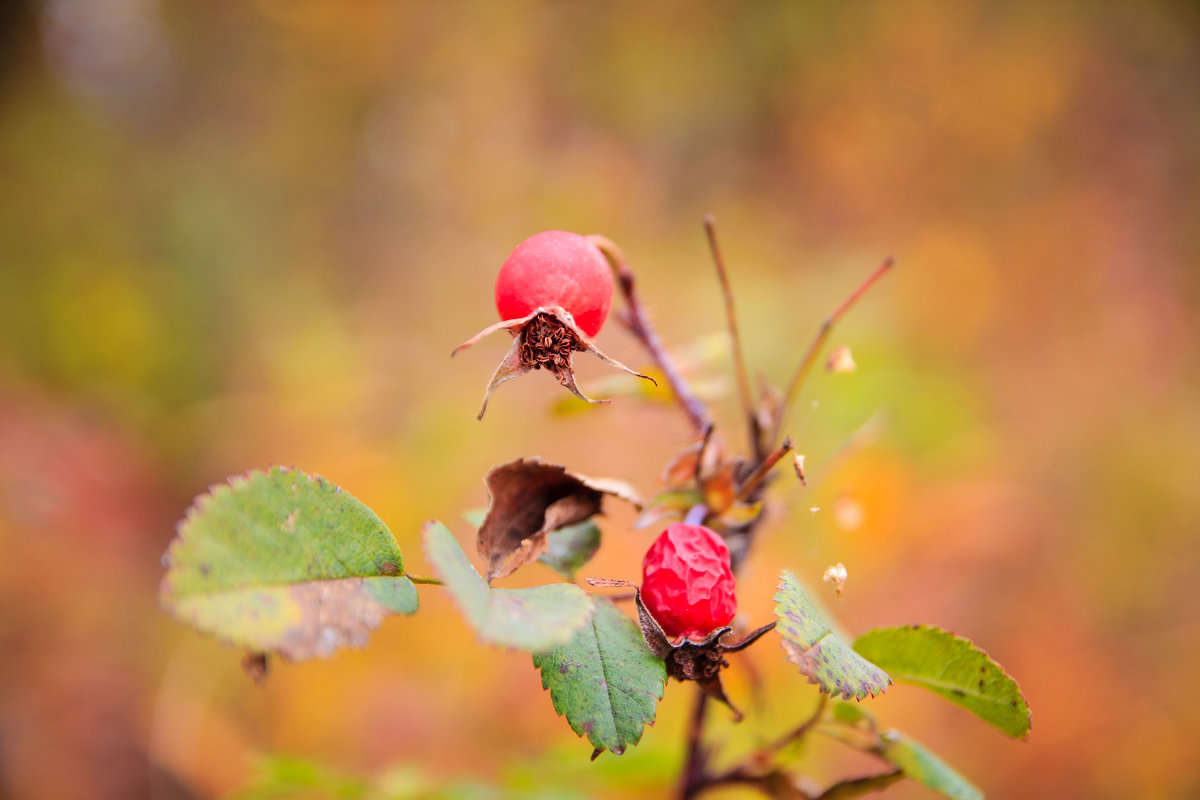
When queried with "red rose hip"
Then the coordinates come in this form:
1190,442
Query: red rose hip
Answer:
556,268
553,294
687,585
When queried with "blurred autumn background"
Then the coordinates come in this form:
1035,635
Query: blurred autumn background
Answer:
235,234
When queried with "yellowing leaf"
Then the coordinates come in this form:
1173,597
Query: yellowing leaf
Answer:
286,562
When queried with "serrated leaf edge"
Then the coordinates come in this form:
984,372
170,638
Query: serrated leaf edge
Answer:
829,631
954,689
658,696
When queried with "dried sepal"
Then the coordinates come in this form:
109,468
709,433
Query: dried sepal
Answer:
610,583
509,367
751,638
699,660
508,324
695,660
529,499
544,339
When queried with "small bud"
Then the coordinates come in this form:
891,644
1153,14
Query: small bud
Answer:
836,575
841,360
798,463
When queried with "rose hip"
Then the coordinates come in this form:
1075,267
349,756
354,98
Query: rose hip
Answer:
556,268
687,585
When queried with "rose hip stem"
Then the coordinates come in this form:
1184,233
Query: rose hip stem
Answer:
735,339
636,321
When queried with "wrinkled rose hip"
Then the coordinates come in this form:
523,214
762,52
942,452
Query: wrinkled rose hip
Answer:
687,584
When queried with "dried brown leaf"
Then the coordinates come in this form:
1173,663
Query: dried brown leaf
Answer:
682,469
721,489
530,499
333,614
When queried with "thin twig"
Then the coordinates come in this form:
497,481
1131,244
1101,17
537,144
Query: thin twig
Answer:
739,361
768,783
696,514
639,325
802,730
693,778
698,472
761,471
814,349
860,786
750,770
757,779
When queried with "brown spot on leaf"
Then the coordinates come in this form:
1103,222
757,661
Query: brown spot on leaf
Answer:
333,614
804,658
388,568
529,500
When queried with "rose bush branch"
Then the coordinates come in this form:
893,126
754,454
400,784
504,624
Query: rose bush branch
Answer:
735,339
638,323
283,562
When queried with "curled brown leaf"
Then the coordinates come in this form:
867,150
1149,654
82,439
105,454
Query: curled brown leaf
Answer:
529,499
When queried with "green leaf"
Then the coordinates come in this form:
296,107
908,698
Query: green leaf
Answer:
536,618
605,681
953,667
569,548
287,562
918,763
823,656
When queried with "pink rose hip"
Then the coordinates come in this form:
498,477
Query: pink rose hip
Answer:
556,268
553,293
687,585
